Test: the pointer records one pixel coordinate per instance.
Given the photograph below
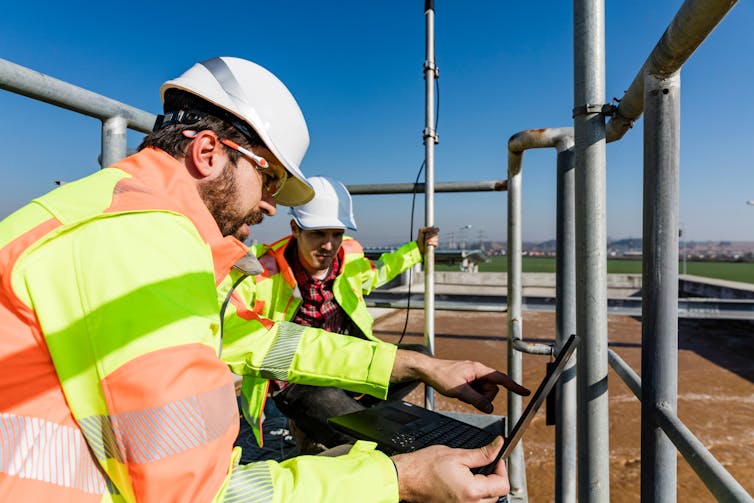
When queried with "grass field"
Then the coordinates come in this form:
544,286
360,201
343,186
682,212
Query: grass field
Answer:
731,271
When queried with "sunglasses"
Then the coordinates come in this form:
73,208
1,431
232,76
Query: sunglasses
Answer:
272,180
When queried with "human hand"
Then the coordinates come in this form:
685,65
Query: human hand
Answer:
442,474
469,381
427,236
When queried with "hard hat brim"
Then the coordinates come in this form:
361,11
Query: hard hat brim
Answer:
334,224
295,192
314,222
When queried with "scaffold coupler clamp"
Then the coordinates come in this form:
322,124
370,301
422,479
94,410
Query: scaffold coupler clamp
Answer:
430,133
606,109
431,66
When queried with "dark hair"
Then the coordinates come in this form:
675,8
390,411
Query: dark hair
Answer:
170,138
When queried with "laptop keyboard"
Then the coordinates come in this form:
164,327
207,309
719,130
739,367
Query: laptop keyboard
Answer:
448,432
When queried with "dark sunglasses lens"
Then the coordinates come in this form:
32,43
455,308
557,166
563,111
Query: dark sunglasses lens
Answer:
272,184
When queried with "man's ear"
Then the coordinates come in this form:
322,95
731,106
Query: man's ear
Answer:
204,152
294,227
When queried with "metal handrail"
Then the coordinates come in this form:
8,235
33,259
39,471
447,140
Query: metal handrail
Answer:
35,85
116,117
693,22
420,188
714,475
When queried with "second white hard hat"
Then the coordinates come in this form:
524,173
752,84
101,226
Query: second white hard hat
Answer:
258,98
331,207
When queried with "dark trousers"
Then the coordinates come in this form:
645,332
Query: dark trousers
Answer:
310,406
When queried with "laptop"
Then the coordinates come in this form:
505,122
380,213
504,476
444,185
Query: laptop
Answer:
400,426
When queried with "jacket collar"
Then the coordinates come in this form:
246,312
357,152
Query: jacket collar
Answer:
158,175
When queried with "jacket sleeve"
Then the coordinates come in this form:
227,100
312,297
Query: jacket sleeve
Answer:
378,272
254,345
364,471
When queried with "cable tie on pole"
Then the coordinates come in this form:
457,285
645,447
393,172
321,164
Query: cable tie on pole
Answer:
607,109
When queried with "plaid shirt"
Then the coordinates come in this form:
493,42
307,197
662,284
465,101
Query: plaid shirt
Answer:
318,306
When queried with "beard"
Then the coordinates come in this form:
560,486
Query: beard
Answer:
221,196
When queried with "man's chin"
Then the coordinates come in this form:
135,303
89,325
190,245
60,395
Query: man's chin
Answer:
325,263
243,232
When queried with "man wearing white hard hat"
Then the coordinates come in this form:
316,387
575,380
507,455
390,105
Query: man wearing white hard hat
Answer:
115,310
331,276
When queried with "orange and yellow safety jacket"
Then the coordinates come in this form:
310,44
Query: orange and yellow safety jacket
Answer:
111,387
275,295
275,292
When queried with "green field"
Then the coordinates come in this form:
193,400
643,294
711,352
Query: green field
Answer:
731,271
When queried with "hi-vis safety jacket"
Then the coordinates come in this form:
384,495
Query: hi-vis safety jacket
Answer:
275,295
111,388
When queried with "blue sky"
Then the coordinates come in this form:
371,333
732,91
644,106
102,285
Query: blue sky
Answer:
356,70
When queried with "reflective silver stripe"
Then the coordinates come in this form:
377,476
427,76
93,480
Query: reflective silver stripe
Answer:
250,483
101,437
278,360
145,435
224,76
36,449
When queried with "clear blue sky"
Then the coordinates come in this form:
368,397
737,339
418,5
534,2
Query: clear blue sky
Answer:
356,70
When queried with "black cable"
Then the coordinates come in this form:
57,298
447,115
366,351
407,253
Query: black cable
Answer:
411,234
437,103
222,311
413,206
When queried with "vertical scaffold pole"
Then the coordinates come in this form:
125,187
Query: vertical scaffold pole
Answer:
430,139
516,463
114,135
565,325
591,251
659,325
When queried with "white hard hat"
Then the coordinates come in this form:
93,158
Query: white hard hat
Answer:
331,207
258,98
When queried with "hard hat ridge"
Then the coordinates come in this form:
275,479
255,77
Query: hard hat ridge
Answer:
330,208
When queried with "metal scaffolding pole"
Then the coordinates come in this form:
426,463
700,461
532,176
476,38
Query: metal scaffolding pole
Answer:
430,139
693,22
419,188
516,465
38,86
659,326
114,138
718,480
116,117
565,325
591,252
